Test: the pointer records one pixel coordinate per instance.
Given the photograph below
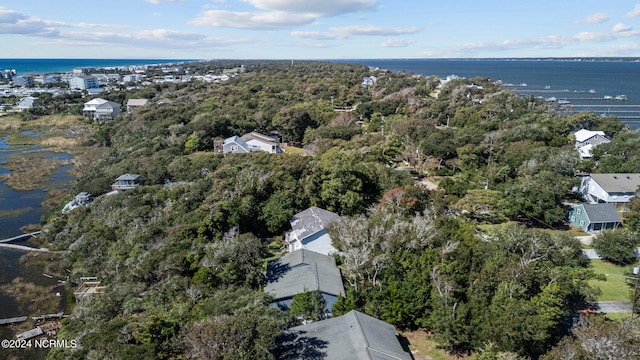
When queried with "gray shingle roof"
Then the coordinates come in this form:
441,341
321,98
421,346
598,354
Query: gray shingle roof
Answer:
351,336
618,183
310,221
303,269
128,177
601,213
238,141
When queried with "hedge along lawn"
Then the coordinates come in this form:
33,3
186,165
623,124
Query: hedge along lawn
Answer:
615,288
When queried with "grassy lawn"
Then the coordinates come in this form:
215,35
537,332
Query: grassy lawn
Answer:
615,288
293,150
424,347
617,316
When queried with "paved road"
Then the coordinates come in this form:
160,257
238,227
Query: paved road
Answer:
591,254
613,306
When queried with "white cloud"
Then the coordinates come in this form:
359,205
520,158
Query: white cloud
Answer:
271,20
618,32
635,12
319,8
594,18
156,2
13,22
396,43
280,14
84,34
375,30
317,35
343,32
620,27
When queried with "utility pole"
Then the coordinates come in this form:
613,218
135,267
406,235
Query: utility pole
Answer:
636,272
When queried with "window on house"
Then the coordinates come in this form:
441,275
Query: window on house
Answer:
573,219
579,211
581,222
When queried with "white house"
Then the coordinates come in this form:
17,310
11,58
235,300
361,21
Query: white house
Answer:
251,142
308,231
83,83
617,189
265,143
236,145
133,103
587,137
101,110
26,103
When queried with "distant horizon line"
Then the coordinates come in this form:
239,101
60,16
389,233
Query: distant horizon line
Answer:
325,59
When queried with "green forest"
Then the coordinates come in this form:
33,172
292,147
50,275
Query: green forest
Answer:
486,262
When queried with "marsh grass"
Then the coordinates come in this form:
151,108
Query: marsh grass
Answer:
13,213
30,171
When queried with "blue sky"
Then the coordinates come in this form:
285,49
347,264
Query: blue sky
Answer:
318,29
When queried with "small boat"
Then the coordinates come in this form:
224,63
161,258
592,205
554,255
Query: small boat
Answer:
523,84
608,97
547,87
551,99
592,91
563,102
621,97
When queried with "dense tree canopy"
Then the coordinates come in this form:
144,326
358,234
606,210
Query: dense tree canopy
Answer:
183,256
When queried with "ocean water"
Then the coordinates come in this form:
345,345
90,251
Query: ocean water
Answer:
584,84
47,66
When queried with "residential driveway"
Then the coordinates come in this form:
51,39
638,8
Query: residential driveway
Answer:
586,240
613,306
591,254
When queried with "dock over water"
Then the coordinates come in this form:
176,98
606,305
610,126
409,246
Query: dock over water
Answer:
14,320
20,237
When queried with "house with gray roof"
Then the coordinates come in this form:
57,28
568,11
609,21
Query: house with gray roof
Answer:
236,145
308,231
127,182
353,335
617,189
594,217
586,140
137,103
250,142
300,271
588,137
101,110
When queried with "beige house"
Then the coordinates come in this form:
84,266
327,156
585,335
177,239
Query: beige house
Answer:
135,103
